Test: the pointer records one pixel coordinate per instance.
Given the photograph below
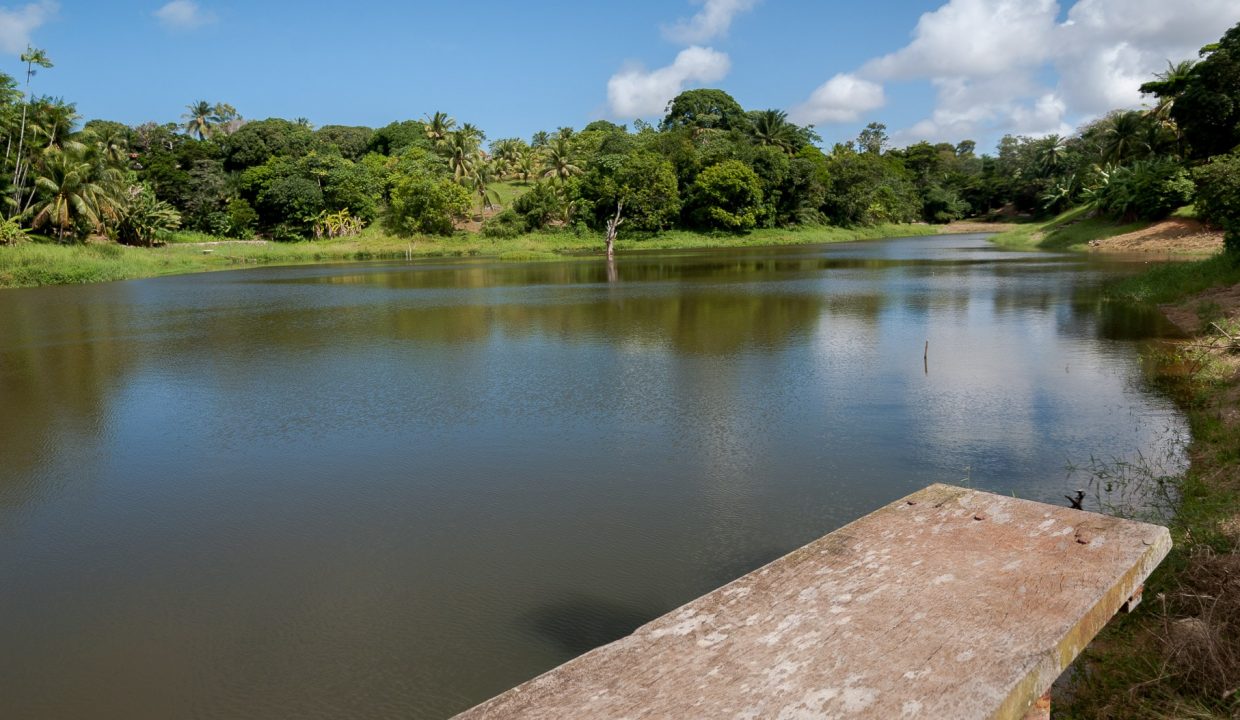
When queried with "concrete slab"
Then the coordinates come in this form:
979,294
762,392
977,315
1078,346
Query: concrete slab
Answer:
950,603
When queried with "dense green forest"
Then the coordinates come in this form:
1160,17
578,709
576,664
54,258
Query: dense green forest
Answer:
709,165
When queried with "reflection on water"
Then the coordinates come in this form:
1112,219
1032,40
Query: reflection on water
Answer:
393,490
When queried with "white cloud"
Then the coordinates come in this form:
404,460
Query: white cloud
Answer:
1011,66
184,15
16,25
843,98
973,37
636,92
712,21
1110,47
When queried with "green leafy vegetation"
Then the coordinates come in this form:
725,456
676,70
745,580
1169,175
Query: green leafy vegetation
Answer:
710,166
1168,282
1178,656
1218,197
1071,230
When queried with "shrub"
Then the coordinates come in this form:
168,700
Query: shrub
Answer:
507,224
539,207
1218,196
1146,189
240,219
425,205
11,233
142,219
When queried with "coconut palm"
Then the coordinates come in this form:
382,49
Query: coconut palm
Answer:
76,194
527,164
200,119
461,150
110,144
481,175
506,154
53,120
557,159
438,126
474,133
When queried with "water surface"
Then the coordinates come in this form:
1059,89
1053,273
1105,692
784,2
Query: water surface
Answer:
393,490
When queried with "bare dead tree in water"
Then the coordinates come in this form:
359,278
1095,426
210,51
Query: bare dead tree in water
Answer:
613,225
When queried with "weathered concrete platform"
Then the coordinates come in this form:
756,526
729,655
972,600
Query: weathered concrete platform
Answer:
951,603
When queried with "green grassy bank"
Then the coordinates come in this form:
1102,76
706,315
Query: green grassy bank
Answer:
1178,656
1071,230
35,263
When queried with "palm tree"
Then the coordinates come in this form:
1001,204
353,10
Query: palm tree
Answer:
527,164
771,128
462,151
200,119
33,56
77,193
438,126
480,177
54,119
111,145
1050,154
1122,136
1166,86
540,139
507,155
474,133
557,158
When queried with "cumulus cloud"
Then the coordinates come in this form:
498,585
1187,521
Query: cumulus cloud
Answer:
843,98
17,24
973,37
184,15
1110,47
636,92
1013,66
712,21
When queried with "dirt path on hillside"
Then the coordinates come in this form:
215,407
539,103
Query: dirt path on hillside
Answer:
1176,236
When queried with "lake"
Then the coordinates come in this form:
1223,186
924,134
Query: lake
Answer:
393,490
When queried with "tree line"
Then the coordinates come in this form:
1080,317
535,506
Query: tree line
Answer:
708,165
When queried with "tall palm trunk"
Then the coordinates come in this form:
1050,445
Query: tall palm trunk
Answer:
31,57
21,141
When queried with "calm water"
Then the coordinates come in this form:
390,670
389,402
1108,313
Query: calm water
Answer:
392,491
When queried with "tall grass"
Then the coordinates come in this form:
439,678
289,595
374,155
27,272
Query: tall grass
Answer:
1172,281
1178,656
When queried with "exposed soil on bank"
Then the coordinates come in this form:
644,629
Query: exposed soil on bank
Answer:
962,227
1195,314
1175,236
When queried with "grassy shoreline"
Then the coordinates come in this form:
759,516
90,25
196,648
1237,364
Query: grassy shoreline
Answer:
35,264
1070,230
1179,657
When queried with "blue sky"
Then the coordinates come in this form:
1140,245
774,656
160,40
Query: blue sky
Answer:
941,70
